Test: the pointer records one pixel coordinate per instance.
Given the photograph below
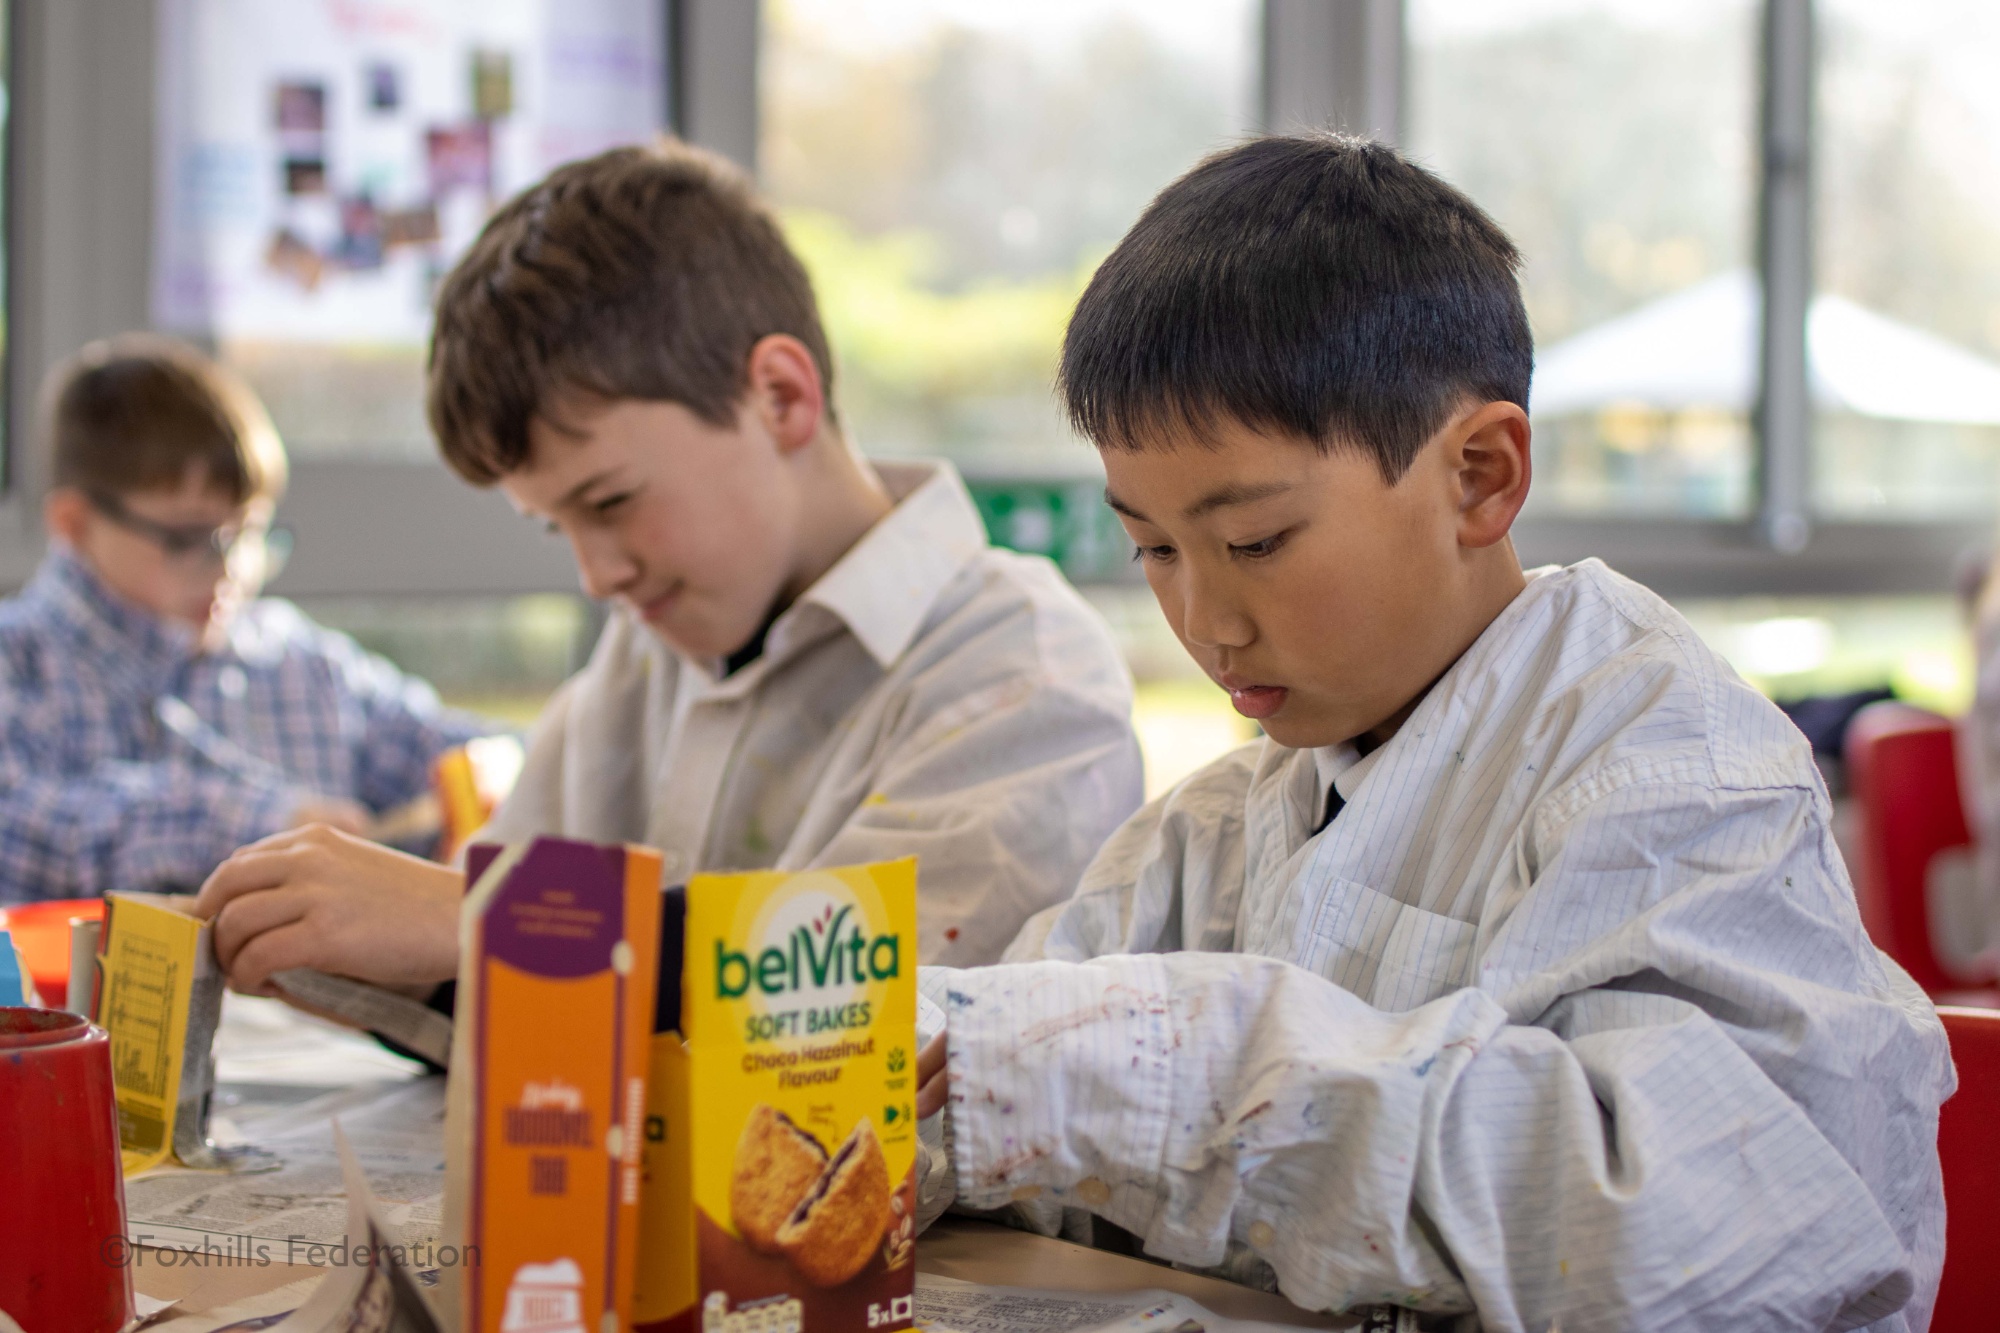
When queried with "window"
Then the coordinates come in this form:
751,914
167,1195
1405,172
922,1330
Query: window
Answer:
951,172
926,155
501,657
1795,647
1613,140
323,162
1904,336
1617,140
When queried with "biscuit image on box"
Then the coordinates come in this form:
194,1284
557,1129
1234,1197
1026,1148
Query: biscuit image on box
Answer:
836,1227
776,1164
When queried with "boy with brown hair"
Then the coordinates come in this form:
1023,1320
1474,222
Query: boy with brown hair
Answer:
154,713
811,659
1515,972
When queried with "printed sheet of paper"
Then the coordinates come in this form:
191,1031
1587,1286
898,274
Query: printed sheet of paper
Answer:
374,1292
947,1305
413,1024
292,1214
232,1314
276,1049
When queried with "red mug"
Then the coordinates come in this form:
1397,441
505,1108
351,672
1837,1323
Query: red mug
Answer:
62,1227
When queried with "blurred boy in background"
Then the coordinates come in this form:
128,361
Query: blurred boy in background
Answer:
155,714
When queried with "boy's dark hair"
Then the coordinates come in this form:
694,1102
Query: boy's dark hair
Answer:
1321,287
137,412
639,273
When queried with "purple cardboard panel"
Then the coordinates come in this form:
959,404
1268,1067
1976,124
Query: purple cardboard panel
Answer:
561,911
478,857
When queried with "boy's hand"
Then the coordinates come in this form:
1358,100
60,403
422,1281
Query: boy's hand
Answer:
347,816
317,897
932,1084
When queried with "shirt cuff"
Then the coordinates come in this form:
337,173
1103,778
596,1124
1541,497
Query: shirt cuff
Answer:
1061,1083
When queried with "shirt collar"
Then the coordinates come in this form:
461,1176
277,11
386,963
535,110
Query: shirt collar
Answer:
1344,768
119,631
886,584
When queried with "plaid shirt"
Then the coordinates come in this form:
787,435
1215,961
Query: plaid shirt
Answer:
130,760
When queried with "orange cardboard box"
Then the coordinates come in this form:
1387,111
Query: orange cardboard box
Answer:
559,945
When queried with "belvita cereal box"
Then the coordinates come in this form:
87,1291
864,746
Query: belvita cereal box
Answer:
779,1193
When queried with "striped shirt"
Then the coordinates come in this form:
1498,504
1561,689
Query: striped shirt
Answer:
1568,1015
129,760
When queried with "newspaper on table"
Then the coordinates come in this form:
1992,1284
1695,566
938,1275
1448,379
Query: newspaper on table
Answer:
294,1214
948,1305
371,1287
409,1023
375,1291
269,1054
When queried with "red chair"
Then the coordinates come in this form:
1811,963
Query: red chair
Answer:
1902,769
1969,1148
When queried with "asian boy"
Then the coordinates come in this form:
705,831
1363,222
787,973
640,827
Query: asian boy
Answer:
155,713
811,660
1515,971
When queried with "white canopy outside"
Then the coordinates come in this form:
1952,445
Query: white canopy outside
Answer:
1698,349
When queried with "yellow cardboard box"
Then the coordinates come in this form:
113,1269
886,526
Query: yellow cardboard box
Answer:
779,1190
159,995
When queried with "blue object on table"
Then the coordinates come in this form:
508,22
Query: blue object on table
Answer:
13,974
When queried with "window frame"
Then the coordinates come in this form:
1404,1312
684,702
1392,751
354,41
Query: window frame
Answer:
79,156
79,230
79,215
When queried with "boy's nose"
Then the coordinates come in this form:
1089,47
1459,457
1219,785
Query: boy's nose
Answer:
603,568
1212,621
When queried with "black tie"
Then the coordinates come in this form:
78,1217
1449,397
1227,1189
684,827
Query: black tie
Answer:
1334,803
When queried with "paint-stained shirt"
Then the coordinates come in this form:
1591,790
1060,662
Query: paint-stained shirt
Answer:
130,759
1566,1018
928,695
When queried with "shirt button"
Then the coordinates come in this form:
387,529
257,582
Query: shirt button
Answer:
1261,1235
232,682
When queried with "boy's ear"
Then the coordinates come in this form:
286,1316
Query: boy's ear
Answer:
65,513
786,390
1494,469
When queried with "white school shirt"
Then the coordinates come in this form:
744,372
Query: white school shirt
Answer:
929,695
1568,1014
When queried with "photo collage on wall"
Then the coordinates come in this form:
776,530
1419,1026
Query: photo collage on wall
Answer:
457,157
324,162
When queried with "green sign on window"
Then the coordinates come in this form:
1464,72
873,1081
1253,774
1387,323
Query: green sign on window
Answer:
1066,520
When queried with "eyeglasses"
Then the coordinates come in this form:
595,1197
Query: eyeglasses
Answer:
228,545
